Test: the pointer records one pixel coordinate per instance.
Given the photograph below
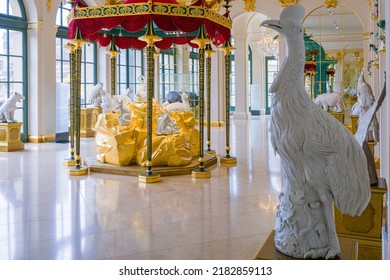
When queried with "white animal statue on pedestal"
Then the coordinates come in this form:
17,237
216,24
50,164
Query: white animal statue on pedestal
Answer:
124,118
365,101
183,106
321,160
107,102
166,126
333,99
126,95
8,107
95,97
142,94
364,126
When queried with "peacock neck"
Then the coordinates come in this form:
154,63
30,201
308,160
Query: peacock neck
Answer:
291,72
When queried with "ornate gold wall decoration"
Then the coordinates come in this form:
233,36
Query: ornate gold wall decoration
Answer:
48,5
114,2
285,3
249,5
330,4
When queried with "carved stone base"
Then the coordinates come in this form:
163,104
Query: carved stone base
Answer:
367,228
88,118
349,250
338,116
10,137
354,120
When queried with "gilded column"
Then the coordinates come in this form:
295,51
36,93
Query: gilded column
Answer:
201,40
78,41
150,38
113,52
227,48
208,52
71,48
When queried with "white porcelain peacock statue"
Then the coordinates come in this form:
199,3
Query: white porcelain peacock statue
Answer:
322,161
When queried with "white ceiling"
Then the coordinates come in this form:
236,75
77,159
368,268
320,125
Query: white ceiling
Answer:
335,29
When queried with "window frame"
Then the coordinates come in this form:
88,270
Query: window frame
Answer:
14,23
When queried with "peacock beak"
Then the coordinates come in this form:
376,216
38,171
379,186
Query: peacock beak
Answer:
273,24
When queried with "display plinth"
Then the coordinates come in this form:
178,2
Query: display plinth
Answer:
354,121
10,137
80,171
349,250
88,118
366,228
338,116
149,177
228,160
136,170
372,145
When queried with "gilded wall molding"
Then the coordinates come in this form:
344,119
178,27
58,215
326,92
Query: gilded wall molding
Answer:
48,5
285,3
249,5
330,4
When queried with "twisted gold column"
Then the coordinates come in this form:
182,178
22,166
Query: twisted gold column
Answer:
71,48
150,38
78,41
227,48
201,41
113,52
209,51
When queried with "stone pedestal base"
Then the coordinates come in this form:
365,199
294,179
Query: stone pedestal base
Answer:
88,118
10,137
338,116
349,250
366,228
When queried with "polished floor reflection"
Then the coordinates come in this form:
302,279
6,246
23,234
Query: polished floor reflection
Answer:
45,214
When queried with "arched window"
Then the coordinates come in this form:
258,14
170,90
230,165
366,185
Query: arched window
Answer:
88,59
194,70
130,66
13,56
167,73
271,69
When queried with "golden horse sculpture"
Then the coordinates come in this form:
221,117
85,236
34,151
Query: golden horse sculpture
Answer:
126,144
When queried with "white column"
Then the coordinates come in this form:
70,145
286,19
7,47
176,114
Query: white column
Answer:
218,87
103,68
385,134
241,77
42,79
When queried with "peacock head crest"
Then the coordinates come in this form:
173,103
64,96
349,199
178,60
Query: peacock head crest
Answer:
289,23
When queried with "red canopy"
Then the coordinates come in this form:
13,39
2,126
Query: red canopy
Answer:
171,20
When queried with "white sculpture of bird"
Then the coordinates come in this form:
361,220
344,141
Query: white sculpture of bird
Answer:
365,100
322,161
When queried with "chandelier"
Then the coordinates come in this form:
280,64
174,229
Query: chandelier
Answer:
268,45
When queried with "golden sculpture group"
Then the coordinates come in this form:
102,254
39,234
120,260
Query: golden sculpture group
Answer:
126,145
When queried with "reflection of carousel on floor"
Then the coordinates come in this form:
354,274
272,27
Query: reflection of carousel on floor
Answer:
145,134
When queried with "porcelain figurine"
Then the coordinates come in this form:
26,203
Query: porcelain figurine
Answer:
334,99
8,107
322,162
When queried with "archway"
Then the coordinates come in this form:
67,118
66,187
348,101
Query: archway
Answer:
255,64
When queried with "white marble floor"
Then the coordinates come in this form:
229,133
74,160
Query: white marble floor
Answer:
45,214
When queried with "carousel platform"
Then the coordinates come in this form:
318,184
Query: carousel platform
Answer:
135,170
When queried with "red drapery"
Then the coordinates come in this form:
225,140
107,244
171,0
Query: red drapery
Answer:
90,28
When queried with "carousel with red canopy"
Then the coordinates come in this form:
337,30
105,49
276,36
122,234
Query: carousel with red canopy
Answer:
176,23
